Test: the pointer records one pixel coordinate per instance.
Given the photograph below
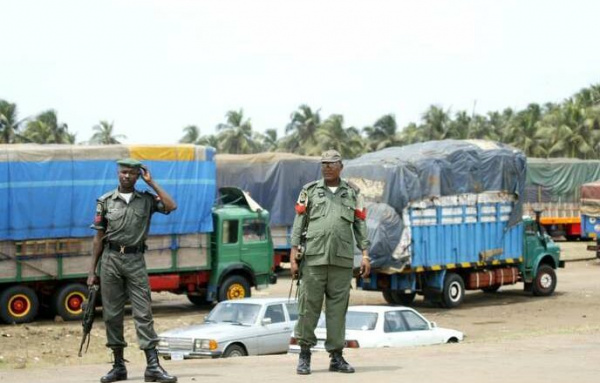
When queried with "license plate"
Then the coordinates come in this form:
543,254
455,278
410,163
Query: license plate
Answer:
177,356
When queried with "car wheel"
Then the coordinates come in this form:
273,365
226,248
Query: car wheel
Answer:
454,290
452,340
545,281
198,300
68,301
18,304
234,287
234,350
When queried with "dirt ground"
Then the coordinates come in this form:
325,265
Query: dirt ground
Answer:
555,338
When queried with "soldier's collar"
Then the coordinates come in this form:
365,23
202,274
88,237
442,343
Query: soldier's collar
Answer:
343,184
115,194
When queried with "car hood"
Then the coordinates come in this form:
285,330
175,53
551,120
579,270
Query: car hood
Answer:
208,331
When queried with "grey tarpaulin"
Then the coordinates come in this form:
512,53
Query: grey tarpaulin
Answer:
274,180
399,175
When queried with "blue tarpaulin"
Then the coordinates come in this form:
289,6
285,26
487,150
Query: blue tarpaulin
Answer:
51,191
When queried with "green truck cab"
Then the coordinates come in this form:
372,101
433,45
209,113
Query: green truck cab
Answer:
541,257
241,247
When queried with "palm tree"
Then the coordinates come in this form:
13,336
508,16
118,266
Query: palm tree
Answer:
45,129
9,123
333,135
436,122
210,140
303,125
268,141
104,134
522,131
383,133
191,136
236,134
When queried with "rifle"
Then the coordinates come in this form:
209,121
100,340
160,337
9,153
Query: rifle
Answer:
89,311
300,253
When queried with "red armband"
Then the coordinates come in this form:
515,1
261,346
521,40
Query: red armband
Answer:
360,214
300,209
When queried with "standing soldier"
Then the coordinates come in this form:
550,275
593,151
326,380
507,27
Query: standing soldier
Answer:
329,212
122,222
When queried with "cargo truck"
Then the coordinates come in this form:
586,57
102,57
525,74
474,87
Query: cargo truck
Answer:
208,251
446,216
274,180
553,185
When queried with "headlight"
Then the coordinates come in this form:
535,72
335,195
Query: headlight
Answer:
163,343
205,344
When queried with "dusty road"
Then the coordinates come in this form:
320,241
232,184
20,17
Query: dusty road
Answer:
510,336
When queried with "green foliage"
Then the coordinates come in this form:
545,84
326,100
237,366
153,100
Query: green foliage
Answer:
567,129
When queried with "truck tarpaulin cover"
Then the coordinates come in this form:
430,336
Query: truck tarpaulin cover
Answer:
274,180
558,179
50,191
399,175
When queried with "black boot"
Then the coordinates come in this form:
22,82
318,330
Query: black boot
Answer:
339,364
118,372
304,361
154,372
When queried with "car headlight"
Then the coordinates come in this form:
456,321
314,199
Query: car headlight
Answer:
163,343
205,344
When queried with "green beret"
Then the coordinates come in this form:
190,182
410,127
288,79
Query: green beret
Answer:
130,163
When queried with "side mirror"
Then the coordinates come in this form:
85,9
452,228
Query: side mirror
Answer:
266,321
433,324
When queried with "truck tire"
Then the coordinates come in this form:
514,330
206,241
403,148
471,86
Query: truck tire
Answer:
68,301
387,295
454,291
18,304
544,282
234,287
198,300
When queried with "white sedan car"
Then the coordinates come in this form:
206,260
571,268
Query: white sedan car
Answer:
249,326
385,326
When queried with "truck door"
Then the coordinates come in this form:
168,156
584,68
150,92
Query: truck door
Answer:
256,249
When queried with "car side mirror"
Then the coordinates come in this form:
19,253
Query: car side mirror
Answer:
266,321
433,324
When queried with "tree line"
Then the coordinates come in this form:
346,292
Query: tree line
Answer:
567,129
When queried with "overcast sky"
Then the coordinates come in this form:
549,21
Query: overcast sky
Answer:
153,67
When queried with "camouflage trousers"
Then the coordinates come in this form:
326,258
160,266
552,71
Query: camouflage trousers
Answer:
318,283
123,277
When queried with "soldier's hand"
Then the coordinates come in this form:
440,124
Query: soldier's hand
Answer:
365,267
92,280
294,268
146,175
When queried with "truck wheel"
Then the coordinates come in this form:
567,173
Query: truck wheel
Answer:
454,291
398,298
387,295
18,304
198,300
545,281
68,301
234,287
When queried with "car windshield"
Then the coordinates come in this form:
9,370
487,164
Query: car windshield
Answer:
355,320
237,313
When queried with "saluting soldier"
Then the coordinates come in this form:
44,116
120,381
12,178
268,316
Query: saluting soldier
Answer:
122,221
330,215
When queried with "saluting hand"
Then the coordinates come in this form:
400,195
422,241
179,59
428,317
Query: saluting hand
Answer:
146,175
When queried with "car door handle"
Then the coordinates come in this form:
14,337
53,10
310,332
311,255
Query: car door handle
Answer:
287,328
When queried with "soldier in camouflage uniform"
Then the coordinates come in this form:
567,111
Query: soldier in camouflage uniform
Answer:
332,214
122,221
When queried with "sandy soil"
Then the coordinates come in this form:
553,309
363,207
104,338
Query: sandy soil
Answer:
555,338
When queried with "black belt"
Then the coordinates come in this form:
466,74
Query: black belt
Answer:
126,249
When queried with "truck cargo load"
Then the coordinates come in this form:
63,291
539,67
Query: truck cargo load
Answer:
553,185
449,183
